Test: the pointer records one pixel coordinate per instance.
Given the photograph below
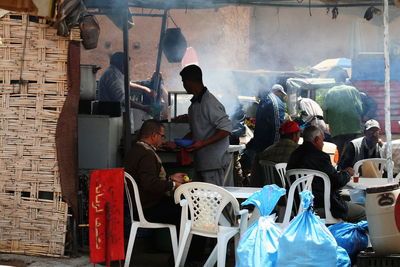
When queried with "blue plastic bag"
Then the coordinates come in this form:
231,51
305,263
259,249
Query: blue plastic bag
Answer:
308,242
352,237
258,245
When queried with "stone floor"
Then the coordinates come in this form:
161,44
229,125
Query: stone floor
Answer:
147,253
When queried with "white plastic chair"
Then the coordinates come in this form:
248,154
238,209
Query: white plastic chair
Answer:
143,223
298,173
305,184
281,169
379,162
205,202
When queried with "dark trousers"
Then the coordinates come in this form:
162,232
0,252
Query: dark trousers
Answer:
166,211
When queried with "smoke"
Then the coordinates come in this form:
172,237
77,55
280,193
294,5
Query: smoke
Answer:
239,48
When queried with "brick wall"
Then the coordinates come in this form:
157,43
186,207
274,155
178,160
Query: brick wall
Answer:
221,39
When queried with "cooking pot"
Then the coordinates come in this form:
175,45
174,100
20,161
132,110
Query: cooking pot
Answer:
88,82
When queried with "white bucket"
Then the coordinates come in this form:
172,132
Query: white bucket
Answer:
380,211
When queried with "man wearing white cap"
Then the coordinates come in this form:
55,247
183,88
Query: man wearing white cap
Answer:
369,146
269,117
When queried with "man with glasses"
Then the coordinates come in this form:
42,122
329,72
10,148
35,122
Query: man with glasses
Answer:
145,166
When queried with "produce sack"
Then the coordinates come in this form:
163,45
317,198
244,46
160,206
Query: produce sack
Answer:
258,245
350,236
308,242
370,169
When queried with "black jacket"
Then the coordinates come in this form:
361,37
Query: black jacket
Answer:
307,156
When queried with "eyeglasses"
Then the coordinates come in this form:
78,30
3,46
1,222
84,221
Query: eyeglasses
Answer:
162,135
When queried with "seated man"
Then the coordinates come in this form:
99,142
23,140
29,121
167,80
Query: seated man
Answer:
146,168
369,146
281,151
309,155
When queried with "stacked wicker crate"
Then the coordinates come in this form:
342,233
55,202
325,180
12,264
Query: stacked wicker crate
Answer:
33,88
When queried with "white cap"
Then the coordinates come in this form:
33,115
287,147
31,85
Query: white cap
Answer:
278,87
371,124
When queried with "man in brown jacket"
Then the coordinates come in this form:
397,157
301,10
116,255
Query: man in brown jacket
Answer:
145,166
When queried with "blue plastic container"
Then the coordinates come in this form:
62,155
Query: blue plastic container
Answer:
183,142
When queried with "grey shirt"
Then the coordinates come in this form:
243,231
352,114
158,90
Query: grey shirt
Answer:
112,89
111,85
206,115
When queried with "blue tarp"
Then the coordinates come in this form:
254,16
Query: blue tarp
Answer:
374,70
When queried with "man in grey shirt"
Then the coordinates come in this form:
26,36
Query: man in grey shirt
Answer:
209,127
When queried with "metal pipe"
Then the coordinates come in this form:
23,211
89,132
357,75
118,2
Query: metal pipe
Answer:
127,120
105,12
158,63
275,3
175,105
388,127
147,15
304,5
220,4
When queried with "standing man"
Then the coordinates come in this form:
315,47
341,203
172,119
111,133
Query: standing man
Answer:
366,147
343,109
369,107
111,86
269,117
209,127
145,166
157,108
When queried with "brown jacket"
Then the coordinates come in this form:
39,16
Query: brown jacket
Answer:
146,168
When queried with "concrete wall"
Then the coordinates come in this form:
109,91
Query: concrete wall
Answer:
285,38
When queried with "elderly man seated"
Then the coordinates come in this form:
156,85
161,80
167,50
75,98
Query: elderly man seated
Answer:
281,151
309,155
145,166
366,147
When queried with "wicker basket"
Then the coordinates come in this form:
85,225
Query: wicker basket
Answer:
33,217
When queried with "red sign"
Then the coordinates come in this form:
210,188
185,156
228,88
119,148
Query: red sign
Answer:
397,213
106,215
